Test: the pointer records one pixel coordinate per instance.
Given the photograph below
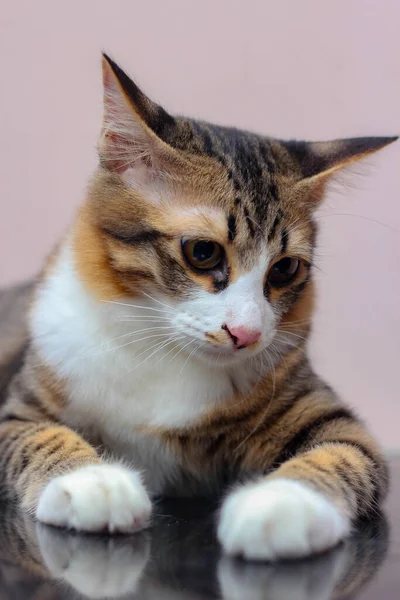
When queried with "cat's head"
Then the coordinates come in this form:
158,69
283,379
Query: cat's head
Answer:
209,229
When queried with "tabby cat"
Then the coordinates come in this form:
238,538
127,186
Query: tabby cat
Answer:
165,351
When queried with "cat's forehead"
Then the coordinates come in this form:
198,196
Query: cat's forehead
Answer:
249,161
248,176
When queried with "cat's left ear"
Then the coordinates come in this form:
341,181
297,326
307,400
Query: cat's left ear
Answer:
131,141
319,161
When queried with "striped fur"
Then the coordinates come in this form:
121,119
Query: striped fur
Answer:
82,382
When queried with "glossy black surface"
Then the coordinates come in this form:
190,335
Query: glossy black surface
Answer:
179,559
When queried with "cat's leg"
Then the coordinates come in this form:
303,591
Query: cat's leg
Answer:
57,476
307,505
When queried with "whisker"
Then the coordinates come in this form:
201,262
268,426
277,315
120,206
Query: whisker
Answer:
134,306
163,345
105,350
202,352
294,334
193,352
298,346
154,318
159,343
159,302
180,350
298,322
171,350
138,331
281,358
319,217
158,346
148,337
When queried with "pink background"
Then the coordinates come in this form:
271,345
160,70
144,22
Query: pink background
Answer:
308,69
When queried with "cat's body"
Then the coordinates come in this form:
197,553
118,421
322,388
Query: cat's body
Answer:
168,332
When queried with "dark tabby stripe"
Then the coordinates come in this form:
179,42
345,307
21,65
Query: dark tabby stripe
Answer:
133,274
278,218
231,227
145,236
303,437
284,241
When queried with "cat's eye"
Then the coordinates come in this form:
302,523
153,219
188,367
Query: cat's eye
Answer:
284,271
202,254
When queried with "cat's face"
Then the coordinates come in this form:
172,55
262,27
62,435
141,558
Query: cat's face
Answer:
207,231
202,262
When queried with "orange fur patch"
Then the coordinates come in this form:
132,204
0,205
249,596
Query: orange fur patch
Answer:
92,261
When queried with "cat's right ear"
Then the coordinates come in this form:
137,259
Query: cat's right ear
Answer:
130,142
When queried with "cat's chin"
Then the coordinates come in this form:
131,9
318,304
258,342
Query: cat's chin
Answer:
224,359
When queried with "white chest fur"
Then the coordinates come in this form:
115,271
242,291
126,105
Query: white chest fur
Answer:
116,384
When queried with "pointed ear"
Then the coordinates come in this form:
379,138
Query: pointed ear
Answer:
319,161
130,143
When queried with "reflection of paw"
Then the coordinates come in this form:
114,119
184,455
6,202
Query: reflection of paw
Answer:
279,518
96,567
96,498
313,579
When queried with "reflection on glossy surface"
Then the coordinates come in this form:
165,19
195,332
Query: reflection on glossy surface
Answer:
178,559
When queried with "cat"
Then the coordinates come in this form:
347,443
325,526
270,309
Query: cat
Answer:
165,350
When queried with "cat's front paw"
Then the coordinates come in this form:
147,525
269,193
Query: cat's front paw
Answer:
96,498
279,518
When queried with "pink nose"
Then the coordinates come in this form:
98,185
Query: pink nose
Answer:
241,336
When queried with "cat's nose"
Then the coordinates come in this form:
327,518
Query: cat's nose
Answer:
241,336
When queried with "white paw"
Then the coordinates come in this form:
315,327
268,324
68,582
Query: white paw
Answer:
279,518
96,498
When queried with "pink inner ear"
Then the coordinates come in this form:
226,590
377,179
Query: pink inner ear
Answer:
112,145
125,141
127,145
137,175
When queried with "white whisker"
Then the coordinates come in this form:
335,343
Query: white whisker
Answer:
294,334
159,302
298,346
106,350
291,323
280,356
193,352
155,318
138,331
148,337
171,350
134,306
163,345
159,343
180,350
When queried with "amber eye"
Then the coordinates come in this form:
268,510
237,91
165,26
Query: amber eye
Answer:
202,254
283,271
